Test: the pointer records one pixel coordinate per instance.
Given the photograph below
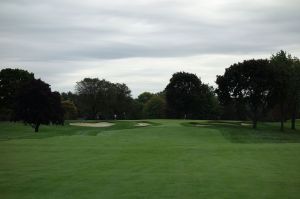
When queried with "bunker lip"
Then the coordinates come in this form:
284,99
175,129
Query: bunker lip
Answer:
199,124
202,125
98,124
142,124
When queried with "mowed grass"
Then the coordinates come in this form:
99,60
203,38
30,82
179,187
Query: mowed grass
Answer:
169,159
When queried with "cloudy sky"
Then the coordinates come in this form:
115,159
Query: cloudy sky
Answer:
142,42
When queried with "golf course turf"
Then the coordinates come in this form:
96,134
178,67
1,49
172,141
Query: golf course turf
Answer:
166,159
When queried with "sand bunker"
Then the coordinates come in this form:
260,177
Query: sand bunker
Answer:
141,124
99,124
246,124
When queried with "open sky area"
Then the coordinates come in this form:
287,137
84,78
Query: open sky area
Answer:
141,42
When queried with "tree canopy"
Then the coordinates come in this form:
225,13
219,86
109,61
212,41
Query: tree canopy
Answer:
10,82
36,104
294,94
103,99
248,83
281,64
155,108
145,97
187,97
70,110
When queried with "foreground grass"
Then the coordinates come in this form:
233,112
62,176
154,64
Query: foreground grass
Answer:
170,159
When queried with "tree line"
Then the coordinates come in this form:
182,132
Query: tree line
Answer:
256,90
262,89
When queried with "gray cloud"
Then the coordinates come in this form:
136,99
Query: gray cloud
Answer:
59,39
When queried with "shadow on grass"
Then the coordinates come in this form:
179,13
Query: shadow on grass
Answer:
242,132
11,131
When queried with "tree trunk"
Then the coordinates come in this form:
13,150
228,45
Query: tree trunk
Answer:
281,117
36,128
281,125
255,118
293,118
293,124
254,124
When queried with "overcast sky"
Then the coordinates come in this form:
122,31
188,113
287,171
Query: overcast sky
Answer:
142,42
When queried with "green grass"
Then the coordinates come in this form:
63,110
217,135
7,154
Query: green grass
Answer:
169,159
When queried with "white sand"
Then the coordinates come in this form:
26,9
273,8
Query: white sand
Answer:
142,124
99,124
246,124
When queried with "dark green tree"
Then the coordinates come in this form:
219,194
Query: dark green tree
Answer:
187,97
103,99
119,100
10,82
73,97
208,104
155,108
92,96
294,91
182,93
145,97
281,64
247,83
36,104
136,109
70,110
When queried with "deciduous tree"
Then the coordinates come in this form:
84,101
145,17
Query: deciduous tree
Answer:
10,82
294,91
247,83
155,108
36,105
281,63
70,110
187,97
